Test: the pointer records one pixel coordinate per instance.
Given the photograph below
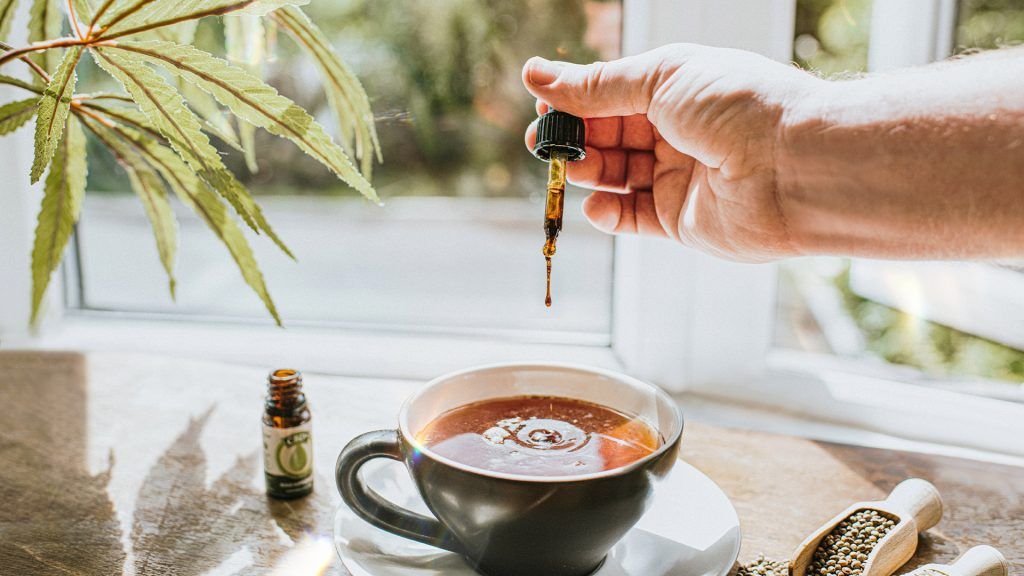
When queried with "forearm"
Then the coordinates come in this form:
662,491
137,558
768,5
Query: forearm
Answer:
923,163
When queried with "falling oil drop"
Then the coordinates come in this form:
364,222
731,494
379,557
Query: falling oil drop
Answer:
547,297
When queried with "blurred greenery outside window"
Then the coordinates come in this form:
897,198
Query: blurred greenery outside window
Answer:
444,82
456,246
831,38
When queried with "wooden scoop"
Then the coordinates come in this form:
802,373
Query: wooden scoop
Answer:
978,561
914,504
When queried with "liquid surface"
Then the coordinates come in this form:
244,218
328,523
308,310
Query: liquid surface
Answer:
539,436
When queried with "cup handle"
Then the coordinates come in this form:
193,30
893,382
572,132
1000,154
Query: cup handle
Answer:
372,507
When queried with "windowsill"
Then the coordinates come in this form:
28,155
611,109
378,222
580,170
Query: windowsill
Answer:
731,414
809,396
377,354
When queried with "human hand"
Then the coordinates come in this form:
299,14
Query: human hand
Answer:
681,143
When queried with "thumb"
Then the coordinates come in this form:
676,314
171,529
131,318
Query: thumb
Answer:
618,88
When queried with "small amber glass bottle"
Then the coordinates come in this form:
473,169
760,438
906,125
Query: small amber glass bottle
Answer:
287,437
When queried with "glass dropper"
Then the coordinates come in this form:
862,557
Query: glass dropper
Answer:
560,140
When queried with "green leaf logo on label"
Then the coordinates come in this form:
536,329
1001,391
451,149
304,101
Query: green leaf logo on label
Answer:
293,456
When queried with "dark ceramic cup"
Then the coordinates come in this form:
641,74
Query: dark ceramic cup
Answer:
508,524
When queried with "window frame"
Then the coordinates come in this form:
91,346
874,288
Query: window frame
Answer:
727,350
684,320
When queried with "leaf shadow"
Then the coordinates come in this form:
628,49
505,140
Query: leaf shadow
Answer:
56,518
182,526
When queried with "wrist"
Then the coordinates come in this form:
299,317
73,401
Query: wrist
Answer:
818,148
797,137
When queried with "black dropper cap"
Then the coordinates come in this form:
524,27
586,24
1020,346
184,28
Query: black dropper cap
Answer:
558,130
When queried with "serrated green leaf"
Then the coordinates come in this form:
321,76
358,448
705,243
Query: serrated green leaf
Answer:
252,100
182,33
4,79
46,21
164,107
62,204
133,16
54,107
152,192
215,120
194,193
247,140
7,10
83,10
246,43
14,114
126,115
344,92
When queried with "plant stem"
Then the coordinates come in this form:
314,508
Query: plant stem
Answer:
74,19
39,46
79,109
120,97
122,15
35,67
170,22
97,16
120,118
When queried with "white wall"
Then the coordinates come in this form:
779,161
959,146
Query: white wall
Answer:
19,203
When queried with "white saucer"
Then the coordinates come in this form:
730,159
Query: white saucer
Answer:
691,529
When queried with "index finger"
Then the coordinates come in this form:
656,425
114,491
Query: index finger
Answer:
631,132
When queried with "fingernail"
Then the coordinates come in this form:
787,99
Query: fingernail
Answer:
543,72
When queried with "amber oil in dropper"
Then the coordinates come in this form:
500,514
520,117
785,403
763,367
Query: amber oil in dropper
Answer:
560,140
553,208
287,436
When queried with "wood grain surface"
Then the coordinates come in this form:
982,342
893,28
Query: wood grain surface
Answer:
113,464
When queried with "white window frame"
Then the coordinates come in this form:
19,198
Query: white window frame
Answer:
723,329
689,322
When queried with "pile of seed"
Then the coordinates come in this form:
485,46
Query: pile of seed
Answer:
763,567
844,551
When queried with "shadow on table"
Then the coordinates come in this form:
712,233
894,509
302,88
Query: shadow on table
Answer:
56,518
181,526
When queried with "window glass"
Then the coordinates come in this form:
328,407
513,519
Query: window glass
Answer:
457,243
953,321
983,24
832,35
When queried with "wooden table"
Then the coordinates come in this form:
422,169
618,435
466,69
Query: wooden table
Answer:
140,465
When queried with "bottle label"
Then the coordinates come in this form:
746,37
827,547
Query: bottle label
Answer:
288,459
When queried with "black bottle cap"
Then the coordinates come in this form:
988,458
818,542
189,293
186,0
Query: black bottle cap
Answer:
558,130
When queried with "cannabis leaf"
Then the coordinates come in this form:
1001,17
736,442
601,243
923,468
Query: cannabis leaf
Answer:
215,120
133,16
344,92
83,10
160,138
20,84
53,111
167,111
252,100
14,114
45,21
150,189
62,203
194,193
245,41
7,8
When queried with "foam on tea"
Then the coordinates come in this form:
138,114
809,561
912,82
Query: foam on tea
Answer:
539,436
